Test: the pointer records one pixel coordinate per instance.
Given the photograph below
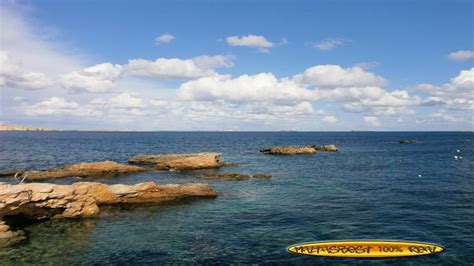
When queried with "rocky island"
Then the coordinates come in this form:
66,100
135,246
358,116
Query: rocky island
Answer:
203,160
289,150
408,141
292,150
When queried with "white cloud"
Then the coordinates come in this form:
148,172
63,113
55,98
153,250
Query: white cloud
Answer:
446,117
212,62
245,88
385,103
164,38
334,76
235,113
121,108
372,120
96,79
329,44
37,48
126,100
457,94
255,41
13,75
461,55
330,119
53,106
174,68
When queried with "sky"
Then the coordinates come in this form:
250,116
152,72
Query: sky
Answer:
238,65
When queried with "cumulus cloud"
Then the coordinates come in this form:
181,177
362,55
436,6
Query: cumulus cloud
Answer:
177,69
53,106
372,120
121,108
98,78
164,38
259,87
125,100
237,113
329,44
334,76
13,75
332,84
330,119
255,41
446,117
457,94
461,55
385,103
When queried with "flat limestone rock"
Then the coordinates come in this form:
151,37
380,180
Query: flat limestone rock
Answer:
38,201
330,147
93,169
289,150
202,160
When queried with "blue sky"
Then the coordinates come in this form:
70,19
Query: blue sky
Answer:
405,43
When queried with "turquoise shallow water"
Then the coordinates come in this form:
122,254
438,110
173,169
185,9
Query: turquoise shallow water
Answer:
373,188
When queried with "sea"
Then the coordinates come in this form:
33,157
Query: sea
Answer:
372,188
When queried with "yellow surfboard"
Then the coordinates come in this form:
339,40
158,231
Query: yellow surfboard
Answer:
366,249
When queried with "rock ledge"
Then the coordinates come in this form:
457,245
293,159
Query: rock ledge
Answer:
36,201
188,161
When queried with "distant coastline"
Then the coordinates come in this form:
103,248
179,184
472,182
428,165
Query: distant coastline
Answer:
7,127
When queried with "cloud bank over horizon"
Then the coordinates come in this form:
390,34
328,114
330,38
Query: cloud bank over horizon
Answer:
42,83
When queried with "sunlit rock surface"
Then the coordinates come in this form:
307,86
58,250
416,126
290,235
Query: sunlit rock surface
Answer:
36,201
180,161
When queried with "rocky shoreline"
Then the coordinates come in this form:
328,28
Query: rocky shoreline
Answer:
38,201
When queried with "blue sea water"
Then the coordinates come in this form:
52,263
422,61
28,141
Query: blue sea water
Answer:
373,188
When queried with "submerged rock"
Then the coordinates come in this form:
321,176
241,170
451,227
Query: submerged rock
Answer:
408,141
226,176
262,176
289,150
330,147
94,169
8,237
234,176
10,173
36,201
202,160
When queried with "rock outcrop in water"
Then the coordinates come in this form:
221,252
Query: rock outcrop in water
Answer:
36,201
289,150
189,161
408,141
94,169
330,147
